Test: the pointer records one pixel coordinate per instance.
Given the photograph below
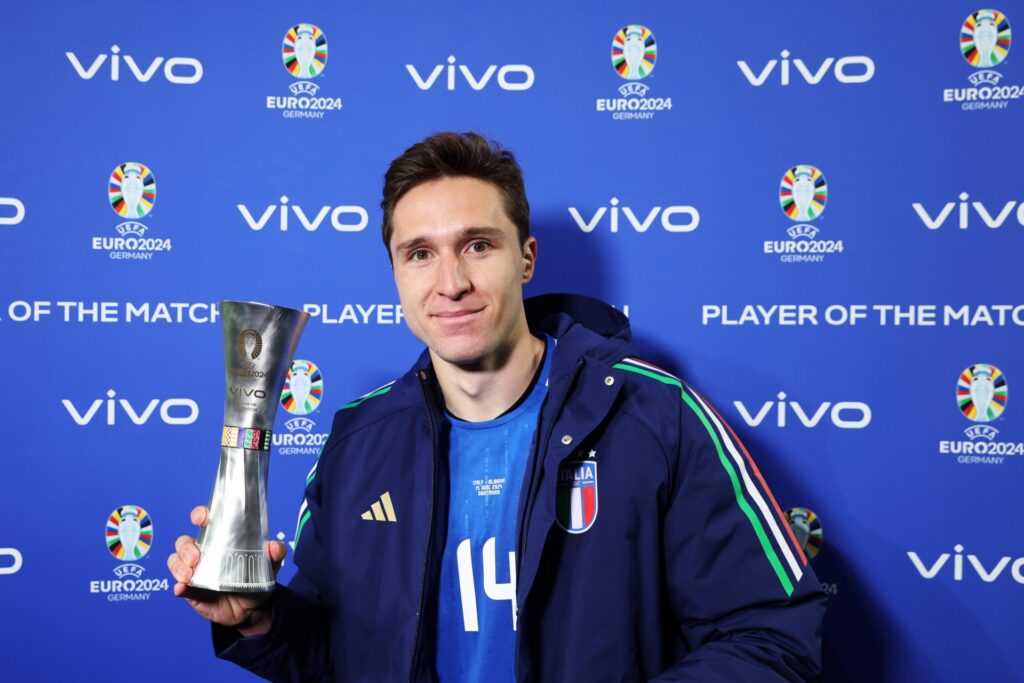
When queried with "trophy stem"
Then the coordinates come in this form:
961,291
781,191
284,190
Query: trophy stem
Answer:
233,558
259,344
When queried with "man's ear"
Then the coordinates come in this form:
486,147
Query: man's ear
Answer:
529,258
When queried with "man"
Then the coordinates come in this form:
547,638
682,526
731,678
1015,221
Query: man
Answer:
530,501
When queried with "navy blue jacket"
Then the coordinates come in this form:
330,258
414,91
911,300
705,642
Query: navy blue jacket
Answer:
688,572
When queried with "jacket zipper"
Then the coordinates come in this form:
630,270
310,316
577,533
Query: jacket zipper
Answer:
528,508
430,527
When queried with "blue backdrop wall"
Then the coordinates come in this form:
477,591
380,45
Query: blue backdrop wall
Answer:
814,214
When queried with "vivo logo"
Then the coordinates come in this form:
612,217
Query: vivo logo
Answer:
243,391
859,69
15,564
178,70
988,575
844,414
673,218
965,214
510,77
357,218
187,411
19,211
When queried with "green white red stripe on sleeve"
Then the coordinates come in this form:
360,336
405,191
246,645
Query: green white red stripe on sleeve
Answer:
773,540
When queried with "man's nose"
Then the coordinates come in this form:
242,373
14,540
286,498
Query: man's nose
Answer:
452,279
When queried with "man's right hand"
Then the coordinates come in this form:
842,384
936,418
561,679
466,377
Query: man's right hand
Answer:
243,611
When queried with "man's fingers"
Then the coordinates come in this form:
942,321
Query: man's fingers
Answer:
200,515
180,541
188,550
179,570
276,551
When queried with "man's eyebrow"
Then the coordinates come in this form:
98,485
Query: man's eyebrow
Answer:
495,233
468,233
410,244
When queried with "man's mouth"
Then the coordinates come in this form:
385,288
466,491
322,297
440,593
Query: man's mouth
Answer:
455,315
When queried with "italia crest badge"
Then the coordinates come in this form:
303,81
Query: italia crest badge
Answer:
576,505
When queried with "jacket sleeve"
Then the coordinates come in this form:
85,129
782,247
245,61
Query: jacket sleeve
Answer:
748,604
297,647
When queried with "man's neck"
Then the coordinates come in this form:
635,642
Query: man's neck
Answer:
480,394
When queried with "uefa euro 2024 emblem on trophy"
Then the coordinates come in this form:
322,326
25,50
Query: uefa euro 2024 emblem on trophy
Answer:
259,344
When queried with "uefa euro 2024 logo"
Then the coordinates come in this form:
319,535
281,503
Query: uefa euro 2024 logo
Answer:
131,191
807,530
981,392
304,54
129,538
803,194
806,527
981,395
634,54
303,388
985,38
301,395
129,533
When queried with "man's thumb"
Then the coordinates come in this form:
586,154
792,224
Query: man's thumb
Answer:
277,551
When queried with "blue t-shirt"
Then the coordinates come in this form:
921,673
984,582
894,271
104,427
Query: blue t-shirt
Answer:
477,608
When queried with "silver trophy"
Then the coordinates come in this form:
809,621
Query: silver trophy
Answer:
259,343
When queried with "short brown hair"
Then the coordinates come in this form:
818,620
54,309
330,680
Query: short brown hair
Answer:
452,155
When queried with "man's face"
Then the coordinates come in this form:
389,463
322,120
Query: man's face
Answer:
460,270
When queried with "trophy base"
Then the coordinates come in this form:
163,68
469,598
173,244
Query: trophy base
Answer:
234,571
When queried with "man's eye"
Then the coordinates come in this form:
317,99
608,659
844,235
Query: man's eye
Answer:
479,246
418,255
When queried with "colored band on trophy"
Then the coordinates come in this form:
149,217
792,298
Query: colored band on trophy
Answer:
242,437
